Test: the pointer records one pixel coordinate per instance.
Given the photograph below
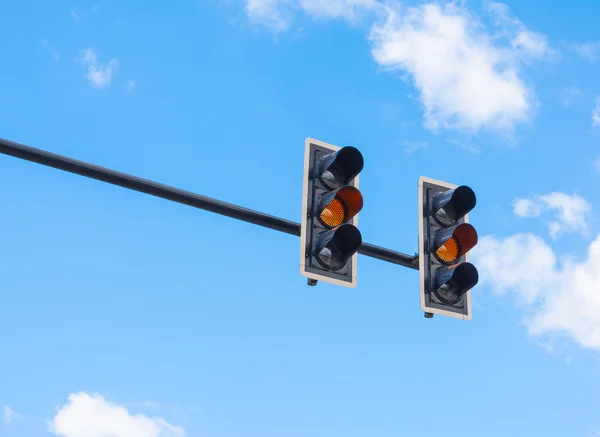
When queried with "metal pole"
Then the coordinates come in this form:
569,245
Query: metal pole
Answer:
125,180
402,259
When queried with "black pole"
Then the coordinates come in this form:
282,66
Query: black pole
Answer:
412,262
125,180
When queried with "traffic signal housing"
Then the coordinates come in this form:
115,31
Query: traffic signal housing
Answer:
331,201
445,239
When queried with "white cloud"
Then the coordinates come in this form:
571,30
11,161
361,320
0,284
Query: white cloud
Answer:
9,415
596,113
99,75
519,263
533,44
562,298
75,15
571,211
588,50
268,12
468,77
465,80
526,208
278,14
93,416
530,43
597,164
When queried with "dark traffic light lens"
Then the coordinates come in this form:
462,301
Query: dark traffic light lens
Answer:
450,206
333,177
330,260
450,283
339,168
336,247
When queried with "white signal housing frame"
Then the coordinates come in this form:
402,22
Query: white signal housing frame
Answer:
353,221
424,307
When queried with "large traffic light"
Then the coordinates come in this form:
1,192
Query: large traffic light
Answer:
329,237
445,238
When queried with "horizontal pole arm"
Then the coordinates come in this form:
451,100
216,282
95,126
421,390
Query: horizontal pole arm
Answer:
135,183
391,256
146,186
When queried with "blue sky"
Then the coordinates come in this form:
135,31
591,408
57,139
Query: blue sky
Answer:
124,315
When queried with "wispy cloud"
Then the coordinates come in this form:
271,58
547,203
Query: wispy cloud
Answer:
99,76
411,147
588,50
469,146
596,113
597,164
571,212
267,12
91,415
48,47
277,14
569,95
145,404
9,415
129,86
526,41
82,15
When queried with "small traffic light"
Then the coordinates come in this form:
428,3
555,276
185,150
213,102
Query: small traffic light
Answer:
445,238
329,237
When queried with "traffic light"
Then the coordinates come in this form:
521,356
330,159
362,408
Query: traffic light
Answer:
445,238
329,237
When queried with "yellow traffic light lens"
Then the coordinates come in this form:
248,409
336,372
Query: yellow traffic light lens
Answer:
448,251
338,207
453,243
334,214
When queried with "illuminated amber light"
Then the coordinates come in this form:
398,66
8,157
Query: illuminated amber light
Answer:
334,214
448,251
